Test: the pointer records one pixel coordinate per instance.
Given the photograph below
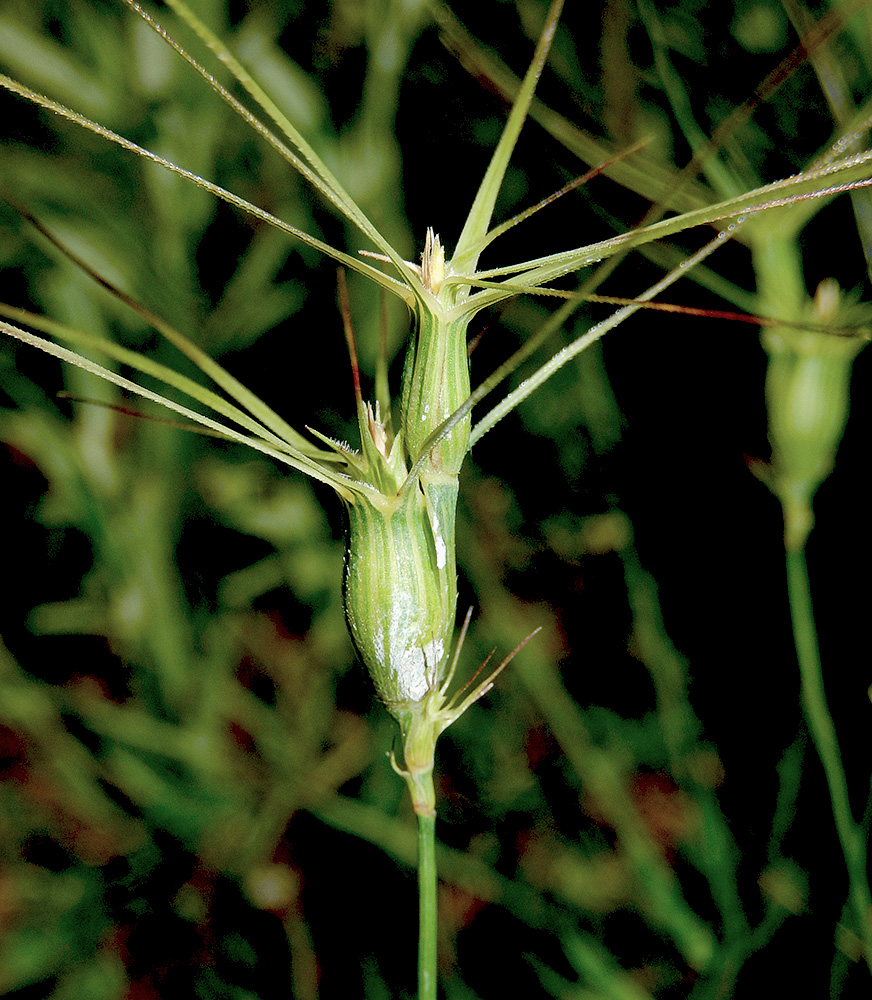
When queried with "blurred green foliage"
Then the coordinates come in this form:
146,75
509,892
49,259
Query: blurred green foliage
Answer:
196,800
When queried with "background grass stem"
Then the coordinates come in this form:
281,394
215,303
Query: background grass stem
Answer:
823,734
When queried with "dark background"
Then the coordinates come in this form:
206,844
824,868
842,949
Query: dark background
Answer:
141,877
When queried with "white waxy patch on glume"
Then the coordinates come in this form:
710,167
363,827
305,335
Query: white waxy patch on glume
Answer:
378,642
413,661
411,667
439,543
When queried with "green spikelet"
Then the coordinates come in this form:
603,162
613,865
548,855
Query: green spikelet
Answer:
436,373
400,591
807,395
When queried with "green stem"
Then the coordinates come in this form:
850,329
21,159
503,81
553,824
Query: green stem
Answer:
823,734
426,906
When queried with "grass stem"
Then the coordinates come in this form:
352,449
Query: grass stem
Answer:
426,907
823,734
